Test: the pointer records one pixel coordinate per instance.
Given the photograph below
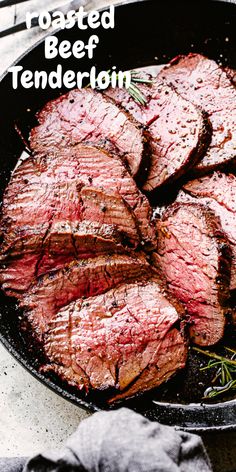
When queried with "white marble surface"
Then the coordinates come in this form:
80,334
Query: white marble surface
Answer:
32,418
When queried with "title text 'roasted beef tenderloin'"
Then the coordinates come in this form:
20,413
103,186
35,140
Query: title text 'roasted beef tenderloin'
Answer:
80,195
195,258
78,279
125,338
218,192
202,81
179,132
85,116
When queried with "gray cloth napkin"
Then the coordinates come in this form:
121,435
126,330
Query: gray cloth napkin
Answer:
12,464
122,441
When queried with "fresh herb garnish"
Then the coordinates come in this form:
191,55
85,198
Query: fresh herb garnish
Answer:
133,89
136,94
225,376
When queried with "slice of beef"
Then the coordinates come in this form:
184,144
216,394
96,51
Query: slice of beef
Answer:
195,258
85,116
126,339
82,278
202,81
218,192
32,256
179,132
170,357
57,198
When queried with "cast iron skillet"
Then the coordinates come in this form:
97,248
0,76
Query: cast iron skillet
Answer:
147,32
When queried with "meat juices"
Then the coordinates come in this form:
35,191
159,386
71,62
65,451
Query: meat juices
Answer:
179,132
206,84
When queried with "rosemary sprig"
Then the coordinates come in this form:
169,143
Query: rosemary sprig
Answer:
133,89
230,350
213,355
225,378
136,94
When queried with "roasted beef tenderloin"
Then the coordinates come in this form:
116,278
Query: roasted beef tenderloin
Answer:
195,257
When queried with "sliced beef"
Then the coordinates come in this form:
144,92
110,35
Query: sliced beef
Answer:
179,132
170,357
85,116
218,192
78,279
202,81
126,339
195,258
33,256
73,205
